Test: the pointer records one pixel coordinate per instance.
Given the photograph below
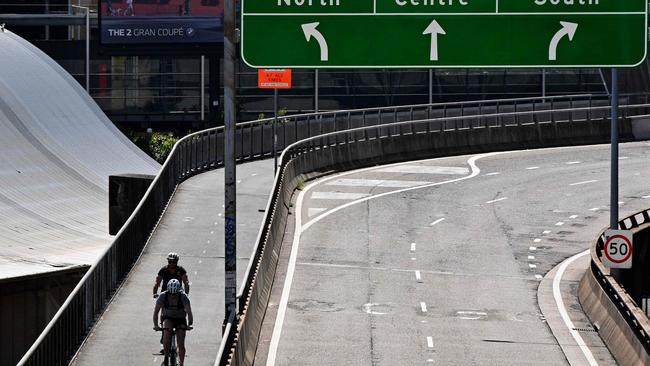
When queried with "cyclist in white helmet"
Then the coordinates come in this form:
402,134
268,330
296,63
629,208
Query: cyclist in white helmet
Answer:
175,307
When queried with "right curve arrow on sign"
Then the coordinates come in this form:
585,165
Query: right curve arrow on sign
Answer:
568,29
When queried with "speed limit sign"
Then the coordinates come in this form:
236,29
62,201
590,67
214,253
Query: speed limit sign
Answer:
617,252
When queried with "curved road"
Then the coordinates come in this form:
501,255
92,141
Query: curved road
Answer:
439,261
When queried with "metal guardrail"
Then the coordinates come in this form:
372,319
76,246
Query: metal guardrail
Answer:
634,317
306,158
203,151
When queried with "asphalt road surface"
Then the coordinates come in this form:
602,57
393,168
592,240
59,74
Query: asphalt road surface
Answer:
438,261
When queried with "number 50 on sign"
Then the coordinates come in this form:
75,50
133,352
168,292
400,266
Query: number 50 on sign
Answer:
617,252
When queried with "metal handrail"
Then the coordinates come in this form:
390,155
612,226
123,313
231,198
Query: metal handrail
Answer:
192,155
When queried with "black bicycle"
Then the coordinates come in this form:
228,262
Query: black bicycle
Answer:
172,357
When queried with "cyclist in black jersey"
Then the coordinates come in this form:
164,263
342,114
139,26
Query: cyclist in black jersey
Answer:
171,270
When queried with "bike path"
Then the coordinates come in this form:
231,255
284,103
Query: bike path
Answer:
192,225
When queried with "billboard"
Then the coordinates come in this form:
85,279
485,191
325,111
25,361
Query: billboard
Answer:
160,22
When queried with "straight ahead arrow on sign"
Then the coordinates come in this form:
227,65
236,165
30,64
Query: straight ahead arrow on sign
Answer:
434,29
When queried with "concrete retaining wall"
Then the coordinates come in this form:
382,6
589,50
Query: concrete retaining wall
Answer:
26,306
612,326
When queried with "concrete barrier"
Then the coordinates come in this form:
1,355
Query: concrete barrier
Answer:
124,193
641,127
624,327
26,306
612,326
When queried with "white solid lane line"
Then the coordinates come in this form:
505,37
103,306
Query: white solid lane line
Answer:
583,182
497,200
347,182
424,169
563,312
437,221
300,228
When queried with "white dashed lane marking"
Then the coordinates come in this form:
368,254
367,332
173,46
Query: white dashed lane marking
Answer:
497,200
493,173
594,209
645,197
532,249
337,196
539,277
532,265
545,232
418,276
422,169
573,162
531,257
346,182
559,223
583,182
430,342
532,168
423,307
315,211
573,216
537,240
437,221
413,247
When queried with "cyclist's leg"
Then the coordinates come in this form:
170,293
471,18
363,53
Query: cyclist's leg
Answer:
180,340
168,324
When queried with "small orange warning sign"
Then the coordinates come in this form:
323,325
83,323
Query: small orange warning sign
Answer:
274,78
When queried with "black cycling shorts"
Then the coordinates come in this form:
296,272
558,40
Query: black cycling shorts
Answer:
176,322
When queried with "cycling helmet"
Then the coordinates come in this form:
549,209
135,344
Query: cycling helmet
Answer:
173,286
173,257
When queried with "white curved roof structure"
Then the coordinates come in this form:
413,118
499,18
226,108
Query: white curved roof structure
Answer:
57,149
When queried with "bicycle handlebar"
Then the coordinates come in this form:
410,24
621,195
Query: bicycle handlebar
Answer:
177,328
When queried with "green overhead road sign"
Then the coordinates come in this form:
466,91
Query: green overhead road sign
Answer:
443,33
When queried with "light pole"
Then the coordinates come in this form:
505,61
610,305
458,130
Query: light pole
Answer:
87,44
230,259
